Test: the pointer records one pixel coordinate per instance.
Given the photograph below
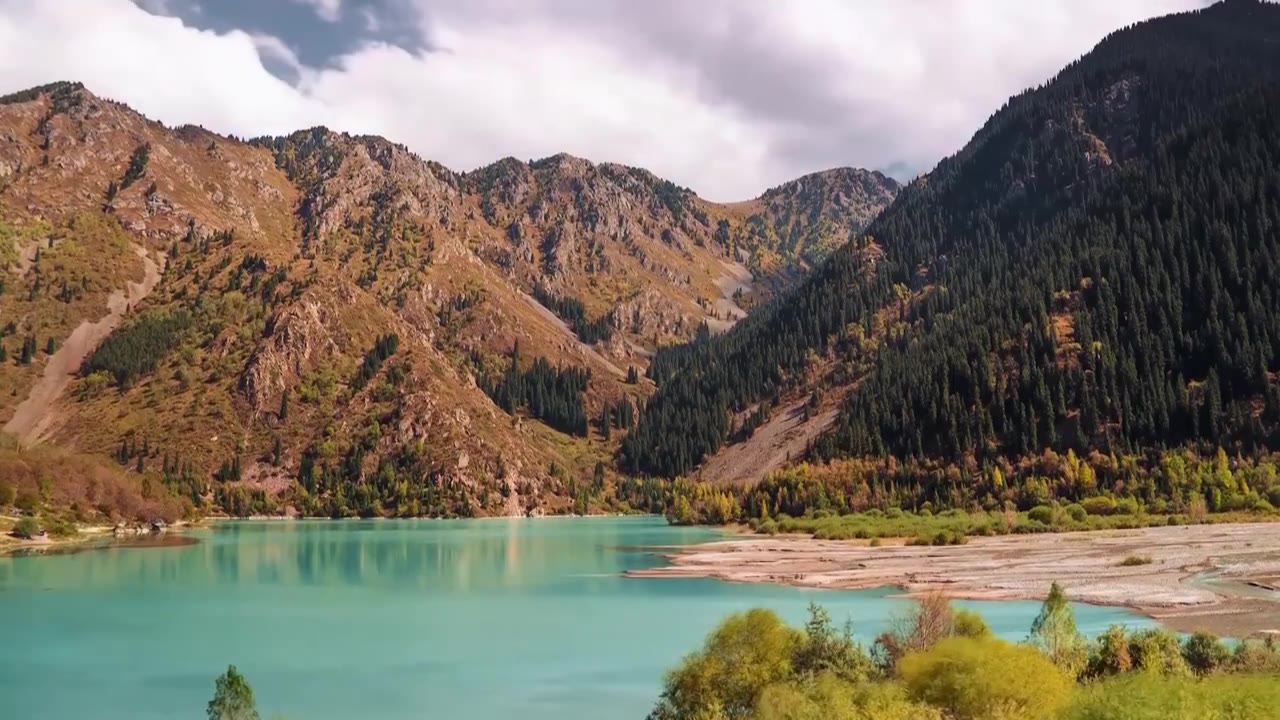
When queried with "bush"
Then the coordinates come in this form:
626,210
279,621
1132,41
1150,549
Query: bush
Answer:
1143,696
7,494
1252,656
1158,651
1099,506
27,528
1042,514
986,679
1205,653
1128,506
1135,560
746,653
1077,512
62,528
827,698
969,624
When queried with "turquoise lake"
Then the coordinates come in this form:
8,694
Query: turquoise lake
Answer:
465,620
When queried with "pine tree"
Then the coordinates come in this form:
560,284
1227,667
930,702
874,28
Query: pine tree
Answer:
1054,632
232,698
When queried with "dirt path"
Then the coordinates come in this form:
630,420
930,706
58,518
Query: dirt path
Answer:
1202,577
34,415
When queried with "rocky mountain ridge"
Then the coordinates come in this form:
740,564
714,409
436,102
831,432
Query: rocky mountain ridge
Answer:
261,365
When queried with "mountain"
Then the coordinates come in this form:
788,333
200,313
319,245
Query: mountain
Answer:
1092,274
336,324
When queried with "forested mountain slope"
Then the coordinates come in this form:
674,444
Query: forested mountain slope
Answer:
337,324
1094,271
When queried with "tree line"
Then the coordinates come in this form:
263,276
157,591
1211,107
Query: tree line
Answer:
136,349
1092,272
570,309
549,393
935,662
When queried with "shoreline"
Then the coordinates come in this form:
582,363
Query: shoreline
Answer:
1221,578
92,537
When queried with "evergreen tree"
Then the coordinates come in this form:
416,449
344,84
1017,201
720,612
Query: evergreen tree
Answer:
1055,634
232,698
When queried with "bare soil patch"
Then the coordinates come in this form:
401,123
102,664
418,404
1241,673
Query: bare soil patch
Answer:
34,416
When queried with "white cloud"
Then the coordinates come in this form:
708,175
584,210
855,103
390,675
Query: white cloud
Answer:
726,96
328,10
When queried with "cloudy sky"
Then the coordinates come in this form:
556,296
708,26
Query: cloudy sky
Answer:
728,97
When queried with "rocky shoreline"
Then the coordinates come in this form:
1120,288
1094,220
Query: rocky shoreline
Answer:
1199,577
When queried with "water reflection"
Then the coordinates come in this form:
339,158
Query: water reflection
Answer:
470,620
462,556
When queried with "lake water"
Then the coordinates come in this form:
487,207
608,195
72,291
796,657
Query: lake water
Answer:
465,620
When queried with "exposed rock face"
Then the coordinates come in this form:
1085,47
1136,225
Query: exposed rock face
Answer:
299,339
291,256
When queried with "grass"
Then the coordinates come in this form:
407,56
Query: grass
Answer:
955,527
1136,560
1147,696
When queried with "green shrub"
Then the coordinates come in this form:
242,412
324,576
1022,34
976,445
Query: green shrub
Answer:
1205,653
827,698
1041,514
27,528
1144,696
1158,651
1099,506
1128,506
985,679
747,652
61,527
1077,512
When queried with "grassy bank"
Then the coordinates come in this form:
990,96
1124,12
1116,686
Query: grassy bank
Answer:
953,527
